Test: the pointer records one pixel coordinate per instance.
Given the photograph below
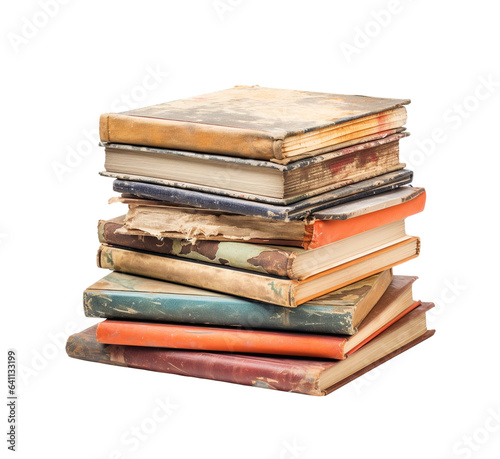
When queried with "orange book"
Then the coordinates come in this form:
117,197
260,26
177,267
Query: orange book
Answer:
322,231
148,220
396,302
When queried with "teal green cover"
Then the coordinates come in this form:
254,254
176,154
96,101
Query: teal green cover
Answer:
126,297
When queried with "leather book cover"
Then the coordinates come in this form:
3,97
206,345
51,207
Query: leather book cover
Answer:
233,204
254,122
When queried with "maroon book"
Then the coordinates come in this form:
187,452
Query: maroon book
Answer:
291,374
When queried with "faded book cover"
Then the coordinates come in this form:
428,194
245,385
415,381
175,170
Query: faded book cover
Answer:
256,122
236,205
290,374
263,181
122,296
394,304
271,289
148,221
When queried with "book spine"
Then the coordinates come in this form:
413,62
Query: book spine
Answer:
249,285
179,336
251,257
284,375
216,310
206,138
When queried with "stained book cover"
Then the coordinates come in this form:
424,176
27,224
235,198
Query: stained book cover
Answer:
255,122
122,296
229,176
256,286
290,374
233,204
394,304
148,222
282,261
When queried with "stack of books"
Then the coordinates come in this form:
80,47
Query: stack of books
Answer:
258,246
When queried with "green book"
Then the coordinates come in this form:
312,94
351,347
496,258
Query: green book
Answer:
126,297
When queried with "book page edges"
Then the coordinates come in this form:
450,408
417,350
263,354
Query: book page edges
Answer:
378,362
362,276
384,327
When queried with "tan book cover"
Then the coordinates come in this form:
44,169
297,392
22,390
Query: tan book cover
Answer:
256,122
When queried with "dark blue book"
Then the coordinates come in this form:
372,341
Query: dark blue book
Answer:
300,209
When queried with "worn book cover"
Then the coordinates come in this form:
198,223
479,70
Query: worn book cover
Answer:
236,205
122,296
256,122
290,374
394,303
271,289
283,261
263,181
148,223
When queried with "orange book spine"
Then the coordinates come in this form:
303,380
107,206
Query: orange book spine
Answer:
219,339
327,231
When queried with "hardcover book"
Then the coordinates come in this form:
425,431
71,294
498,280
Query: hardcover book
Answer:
263,181
122,296
394,303
148,223
256,122
233,204
253,285
291,374
291,262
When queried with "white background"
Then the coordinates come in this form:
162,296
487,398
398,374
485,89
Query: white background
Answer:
65,64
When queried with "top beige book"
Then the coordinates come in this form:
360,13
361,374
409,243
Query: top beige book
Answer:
259,123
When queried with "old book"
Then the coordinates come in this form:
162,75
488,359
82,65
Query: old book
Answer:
253,179
122,296
283,261
233,204
148,223
256,122
290,374
396,302
256,286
